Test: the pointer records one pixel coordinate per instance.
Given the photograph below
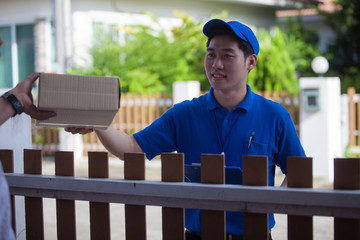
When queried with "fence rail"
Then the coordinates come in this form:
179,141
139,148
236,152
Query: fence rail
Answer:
138,111
303,202
300,202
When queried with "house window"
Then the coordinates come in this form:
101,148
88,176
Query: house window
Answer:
103,32
17,54
25,45
5,58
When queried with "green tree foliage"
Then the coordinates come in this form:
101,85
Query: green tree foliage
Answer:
302,45
345,48
150,60
275,70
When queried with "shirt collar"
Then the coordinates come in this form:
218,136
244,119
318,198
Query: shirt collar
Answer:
212,104
246,104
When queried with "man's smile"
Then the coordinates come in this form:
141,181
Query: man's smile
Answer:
218,75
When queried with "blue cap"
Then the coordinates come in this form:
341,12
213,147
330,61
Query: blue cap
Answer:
240,30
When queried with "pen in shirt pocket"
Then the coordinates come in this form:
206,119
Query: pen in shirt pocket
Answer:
251,138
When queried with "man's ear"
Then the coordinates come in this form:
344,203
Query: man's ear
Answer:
251,61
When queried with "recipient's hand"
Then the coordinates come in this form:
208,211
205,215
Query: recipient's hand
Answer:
82,131
22,91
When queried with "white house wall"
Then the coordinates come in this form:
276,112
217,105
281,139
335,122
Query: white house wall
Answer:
202,10
24,11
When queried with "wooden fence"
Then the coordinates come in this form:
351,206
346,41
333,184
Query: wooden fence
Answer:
212,196
138,111
354,122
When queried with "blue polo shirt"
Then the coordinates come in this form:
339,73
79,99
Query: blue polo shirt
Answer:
202,125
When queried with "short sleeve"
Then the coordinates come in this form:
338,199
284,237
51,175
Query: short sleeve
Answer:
288,143
158,137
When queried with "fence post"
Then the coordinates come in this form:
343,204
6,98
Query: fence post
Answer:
352,116
142,111
300,175
173,219
34,217
121,115
99,212
136,113
7,160
65,209
255,173
135,215
213,172
346,176
128,114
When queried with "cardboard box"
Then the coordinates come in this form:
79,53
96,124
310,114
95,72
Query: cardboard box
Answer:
79,101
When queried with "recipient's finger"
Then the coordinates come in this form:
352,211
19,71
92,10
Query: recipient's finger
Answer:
39,115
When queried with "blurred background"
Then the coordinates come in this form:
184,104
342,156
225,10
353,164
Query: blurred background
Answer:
151,44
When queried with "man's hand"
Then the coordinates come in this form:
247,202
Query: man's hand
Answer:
82,131
23,93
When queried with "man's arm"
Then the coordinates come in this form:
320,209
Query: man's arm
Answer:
114,141
118,142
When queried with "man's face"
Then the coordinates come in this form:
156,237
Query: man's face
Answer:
225,65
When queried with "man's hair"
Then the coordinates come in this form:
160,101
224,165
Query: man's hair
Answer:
243,45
